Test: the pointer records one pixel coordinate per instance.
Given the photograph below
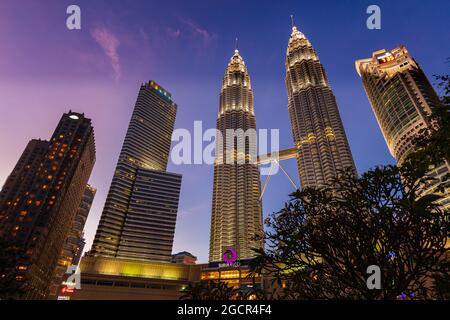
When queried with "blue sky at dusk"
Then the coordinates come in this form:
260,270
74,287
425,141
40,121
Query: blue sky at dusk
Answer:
46,69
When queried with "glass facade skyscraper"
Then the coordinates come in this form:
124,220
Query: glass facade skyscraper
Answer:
138,220
402,98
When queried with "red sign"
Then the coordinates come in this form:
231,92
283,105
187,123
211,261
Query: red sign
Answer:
67,289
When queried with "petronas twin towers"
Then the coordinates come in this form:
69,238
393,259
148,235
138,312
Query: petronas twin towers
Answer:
322,147
319,135
236,209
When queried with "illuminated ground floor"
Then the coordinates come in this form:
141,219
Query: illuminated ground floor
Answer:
236,275
117,279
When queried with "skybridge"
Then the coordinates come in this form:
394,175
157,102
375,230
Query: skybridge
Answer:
274,159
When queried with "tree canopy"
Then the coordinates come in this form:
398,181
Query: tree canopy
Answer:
322,242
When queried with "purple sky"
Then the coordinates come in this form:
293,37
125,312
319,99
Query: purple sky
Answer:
45,70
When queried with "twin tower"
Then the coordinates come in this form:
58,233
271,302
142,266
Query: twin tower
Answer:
319,136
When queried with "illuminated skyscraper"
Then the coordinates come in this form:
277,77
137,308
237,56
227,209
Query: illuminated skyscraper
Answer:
402,98
236,209
138,220
318,133
74,245
21,178
41,198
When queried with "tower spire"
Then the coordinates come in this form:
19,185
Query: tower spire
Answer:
236,46
311,96
292,21
236,188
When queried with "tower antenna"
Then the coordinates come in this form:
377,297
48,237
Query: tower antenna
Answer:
236,45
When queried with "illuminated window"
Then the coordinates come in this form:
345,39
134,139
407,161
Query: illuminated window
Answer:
210,275
229,274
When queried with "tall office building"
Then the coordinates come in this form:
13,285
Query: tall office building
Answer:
74,244
318,133
402,98
236,210
41,198
138,220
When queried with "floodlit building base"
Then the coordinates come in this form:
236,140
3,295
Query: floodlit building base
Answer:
116,279
102,287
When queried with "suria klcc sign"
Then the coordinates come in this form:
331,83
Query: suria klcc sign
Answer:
230,259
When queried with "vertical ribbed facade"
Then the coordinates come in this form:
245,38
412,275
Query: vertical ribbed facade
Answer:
402,99
132,209
38,218
318,132
236,210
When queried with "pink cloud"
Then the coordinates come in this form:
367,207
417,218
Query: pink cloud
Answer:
198,31
173,33
109,43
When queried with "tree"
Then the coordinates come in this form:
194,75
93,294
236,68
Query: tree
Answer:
441,284
211,290
323,241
